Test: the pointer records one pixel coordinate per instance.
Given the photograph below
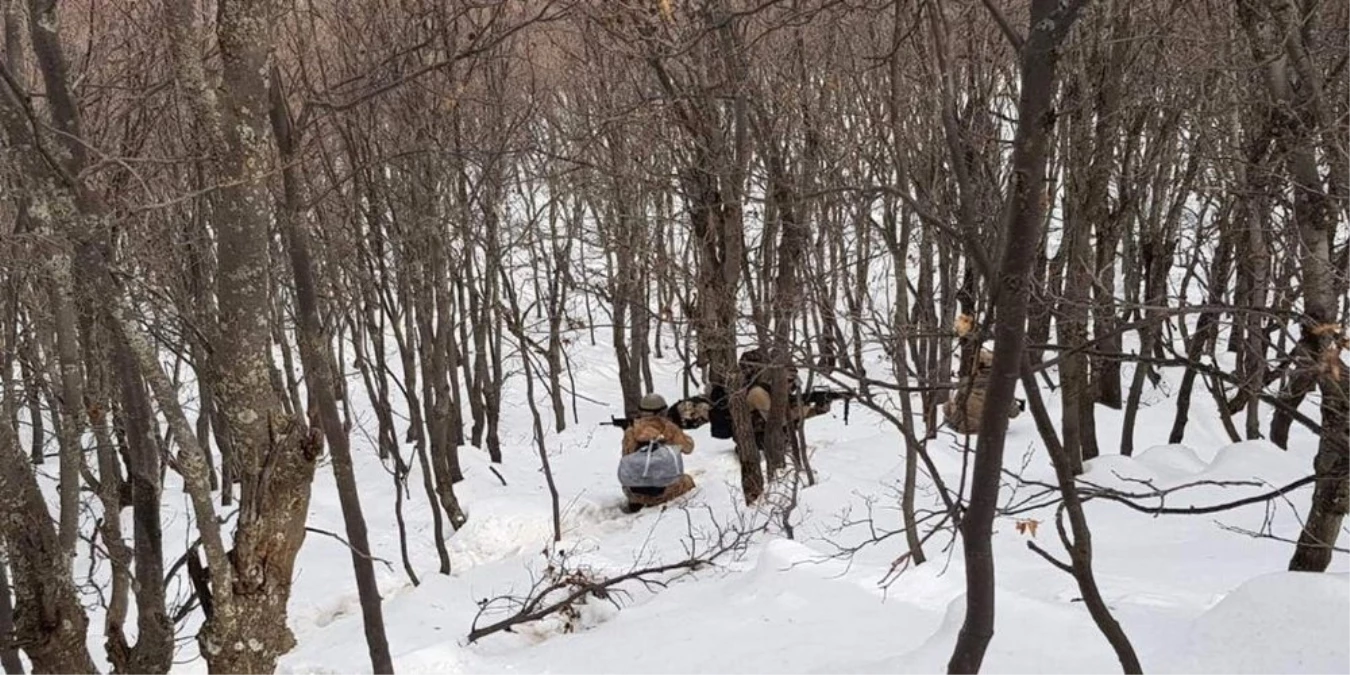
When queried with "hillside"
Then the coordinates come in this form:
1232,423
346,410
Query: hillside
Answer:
1192,596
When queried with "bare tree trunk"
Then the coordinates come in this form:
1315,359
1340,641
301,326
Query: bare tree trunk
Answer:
417,430
72,400
1079,419
316,354
49,620
1257,261
154,648
9,656
1205,329
273,453
9,345
1050,22
1275,31
516,324
1079,546
899,246
1158,245
786,294
492,319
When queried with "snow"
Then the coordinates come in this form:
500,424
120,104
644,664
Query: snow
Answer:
1191,595
1279,622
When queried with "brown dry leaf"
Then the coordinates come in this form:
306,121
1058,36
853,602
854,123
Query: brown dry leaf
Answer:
1028,526
667,12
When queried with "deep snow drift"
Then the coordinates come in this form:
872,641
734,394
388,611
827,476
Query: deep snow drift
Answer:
1193,596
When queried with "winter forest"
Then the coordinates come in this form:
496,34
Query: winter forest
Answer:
674,336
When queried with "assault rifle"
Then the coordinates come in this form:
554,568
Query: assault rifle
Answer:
822,396
689,413
620,422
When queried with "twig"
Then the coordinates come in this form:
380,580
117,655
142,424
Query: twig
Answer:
1014,38
1063,566
1128,499
344,542
1273,537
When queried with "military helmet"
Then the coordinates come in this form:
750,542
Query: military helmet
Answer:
652,403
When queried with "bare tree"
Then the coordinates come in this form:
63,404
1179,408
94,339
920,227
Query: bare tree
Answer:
1275,30
321,381
1049,25
272,452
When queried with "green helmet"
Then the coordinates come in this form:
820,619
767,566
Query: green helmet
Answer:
652,403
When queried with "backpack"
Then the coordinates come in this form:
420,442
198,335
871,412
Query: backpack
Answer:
655,464
720,416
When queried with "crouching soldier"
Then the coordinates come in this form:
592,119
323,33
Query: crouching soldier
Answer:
651,469
759,395
963,410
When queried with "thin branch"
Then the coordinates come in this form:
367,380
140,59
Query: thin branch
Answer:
334,535
1014,38
1063,566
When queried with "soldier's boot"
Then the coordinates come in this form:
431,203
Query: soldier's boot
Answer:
681,486
638,499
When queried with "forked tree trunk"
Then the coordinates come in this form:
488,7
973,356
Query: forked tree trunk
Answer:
1275,31
246,631
49,620
1050,22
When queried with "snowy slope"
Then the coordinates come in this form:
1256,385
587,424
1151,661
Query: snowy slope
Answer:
1192,596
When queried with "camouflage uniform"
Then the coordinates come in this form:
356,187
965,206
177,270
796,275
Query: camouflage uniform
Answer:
759,395
973,387
652,424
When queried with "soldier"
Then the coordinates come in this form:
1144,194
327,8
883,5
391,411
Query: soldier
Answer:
694,412
971,389
758,380
650,470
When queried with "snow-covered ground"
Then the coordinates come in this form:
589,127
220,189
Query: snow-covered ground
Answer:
1192,596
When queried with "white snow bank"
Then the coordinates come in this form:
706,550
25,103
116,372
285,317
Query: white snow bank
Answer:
1287,622
784,607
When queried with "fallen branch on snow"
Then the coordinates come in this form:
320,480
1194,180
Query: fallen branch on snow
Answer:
562,586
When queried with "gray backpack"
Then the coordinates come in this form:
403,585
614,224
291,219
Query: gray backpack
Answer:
653,465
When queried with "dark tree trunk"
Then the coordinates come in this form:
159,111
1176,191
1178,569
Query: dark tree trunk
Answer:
1050,22
9,656
317,357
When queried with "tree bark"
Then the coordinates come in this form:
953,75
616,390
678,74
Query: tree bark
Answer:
317,357
9,656
274,454
1050,22
1274,29
49,620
